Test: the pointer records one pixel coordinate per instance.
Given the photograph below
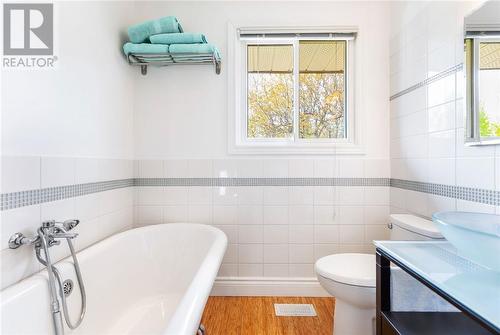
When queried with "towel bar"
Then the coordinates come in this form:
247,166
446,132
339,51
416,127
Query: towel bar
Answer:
168,59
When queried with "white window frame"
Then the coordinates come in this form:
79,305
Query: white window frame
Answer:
473,41
237,81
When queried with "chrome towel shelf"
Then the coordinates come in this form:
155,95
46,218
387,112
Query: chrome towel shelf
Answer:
168,59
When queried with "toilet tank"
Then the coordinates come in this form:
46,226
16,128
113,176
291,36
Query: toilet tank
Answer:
407,227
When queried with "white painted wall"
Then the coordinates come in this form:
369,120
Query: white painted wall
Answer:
182,112
83,107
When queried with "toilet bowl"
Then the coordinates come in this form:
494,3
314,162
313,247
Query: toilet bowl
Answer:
351,277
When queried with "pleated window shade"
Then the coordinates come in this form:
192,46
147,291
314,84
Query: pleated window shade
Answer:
315,56
489,56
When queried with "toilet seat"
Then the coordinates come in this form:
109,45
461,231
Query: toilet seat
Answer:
351,269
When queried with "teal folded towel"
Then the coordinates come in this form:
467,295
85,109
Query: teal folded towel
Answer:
194,49
141,32
144,48
178,38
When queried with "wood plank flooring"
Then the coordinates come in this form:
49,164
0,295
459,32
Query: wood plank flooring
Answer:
255,316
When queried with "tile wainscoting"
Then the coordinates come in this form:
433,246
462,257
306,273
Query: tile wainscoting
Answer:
280,216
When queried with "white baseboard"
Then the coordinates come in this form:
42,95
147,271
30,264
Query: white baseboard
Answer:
263,286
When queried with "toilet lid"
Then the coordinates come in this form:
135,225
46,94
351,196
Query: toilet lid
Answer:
352,269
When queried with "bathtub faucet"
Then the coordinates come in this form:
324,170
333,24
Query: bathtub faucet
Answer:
51,233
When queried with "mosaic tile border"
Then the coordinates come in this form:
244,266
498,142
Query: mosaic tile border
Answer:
235,182
429,80
484,196
34,197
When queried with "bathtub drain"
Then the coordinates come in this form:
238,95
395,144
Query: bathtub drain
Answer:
67,287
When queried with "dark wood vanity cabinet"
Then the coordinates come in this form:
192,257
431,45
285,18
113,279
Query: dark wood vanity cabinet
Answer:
390,322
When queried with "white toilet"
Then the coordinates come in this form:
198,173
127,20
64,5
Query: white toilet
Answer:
350,278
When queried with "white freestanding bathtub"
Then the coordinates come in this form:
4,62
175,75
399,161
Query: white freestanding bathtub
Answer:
149,280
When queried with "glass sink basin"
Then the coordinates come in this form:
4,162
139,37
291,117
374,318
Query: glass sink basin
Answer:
475,235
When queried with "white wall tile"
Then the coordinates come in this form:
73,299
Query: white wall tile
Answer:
275,270
151,169
476,172
87,206
325,195
274,195
275,168
301,215
57,171
377,195
176,168
225,168
276,234
225,215
275,215
87,170
200,168
252,233
349,195
377,168
228,270
301,195
175,214
301,168
324,168
351,168
250,168
322,250
231,255
200,195
442,171
376,232
301,234
276,253
301,253
20,173
301,270
225,196
251,253
326,234
250,215
351,215
469,206
442,117
250,270
376,215
325,215
351,234
200,214
250,195
146,215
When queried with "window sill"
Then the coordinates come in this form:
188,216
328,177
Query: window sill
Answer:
297,149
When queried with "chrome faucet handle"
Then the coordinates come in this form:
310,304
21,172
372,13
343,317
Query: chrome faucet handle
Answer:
61,234
18,239
70,224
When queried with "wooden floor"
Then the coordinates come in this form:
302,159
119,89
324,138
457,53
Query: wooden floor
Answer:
255,316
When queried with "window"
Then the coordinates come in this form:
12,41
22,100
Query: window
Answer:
483,89
296,90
